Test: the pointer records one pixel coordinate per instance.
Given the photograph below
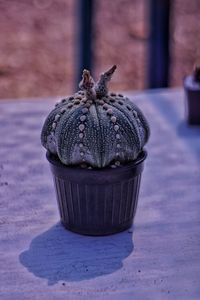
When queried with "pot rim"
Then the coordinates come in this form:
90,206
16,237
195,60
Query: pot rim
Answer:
131,165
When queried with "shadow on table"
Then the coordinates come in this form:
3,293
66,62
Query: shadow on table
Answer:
188,131
190,135
58,254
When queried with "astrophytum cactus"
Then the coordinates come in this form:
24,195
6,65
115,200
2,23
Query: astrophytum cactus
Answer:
95,128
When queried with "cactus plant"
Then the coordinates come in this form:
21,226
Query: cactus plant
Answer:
95,128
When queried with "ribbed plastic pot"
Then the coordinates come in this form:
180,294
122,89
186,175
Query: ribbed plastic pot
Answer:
97,202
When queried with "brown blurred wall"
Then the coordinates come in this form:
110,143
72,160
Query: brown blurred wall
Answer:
38,44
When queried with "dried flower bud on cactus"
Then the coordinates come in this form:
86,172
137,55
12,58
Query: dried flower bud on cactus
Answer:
95,128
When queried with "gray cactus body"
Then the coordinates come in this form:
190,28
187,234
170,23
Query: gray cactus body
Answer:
95,132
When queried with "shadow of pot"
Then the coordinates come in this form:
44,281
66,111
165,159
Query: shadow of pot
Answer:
60,255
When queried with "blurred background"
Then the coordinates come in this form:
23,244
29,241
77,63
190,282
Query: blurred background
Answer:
40,44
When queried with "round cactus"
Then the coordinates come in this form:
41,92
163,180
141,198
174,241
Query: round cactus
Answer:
95,128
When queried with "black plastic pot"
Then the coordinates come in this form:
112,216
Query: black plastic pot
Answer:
192,92
97,202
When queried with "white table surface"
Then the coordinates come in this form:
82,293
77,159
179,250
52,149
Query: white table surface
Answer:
158,259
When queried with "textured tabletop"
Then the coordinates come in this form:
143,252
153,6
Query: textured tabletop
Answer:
158,259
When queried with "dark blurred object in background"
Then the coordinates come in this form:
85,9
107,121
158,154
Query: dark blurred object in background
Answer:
159,43
192,96
39,55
